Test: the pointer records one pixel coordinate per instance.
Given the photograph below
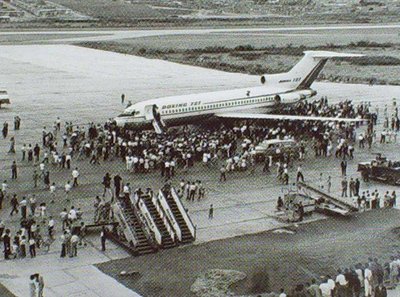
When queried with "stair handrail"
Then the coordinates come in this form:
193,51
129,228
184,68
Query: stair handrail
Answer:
183,212
147,219
163,216
334,200
129,233
168,213
143,224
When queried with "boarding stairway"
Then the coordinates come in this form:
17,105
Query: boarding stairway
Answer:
139,238
341,206
161,222
184,225
151,222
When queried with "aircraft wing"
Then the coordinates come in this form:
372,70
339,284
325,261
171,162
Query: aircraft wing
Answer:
260,116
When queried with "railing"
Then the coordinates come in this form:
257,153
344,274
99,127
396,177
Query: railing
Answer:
128,232
183,212
162,215
146,218
168,213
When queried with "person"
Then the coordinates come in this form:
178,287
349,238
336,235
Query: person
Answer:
5,129
117,185
7,244
314,289
103,235
22,247
23,206
50,227
368,278
14,174
222,176
343,166
82,234
211,212
74,245
32,247
279,203
33,287
12,146
67,188
300,175
46,179
344,187
40,281
14,205
122,98
64,244
35,178
380,291
107,185
75,175
329,186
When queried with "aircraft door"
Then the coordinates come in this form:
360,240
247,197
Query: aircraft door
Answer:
152,114
148,112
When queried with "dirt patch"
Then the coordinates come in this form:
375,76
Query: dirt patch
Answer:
271,261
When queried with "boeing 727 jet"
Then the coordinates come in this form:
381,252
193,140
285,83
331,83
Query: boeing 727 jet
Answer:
275,90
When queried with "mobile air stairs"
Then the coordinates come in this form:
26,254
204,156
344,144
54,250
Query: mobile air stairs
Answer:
150,222
326,202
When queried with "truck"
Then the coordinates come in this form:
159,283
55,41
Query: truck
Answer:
381,169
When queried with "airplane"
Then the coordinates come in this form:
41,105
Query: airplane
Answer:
276,90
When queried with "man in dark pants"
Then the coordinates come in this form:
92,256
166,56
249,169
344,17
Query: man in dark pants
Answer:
117,185
7,244
103,235
14,205
14,170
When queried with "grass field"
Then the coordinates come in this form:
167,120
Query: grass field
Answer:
258,52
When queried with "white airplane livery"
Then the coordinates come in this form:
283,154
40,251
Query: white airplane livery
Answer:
276,89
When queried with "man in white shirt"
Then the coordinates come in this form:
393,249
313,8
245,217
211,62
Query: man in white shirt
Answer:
67,188
341,283
75,175
127,190
72,216
74,245
331,283
368,281
50,227
4,187
325,289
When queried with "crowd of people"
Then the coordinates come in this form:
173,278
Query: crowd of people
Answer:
371,279
173,154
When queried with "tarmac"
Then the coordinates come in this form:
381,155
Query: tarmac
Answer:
66,277
83,85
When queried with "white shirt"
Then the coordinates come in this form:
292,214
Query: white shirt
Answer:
331,283
67,187
282,295
341,280
126,190
72,214
75,173
325,290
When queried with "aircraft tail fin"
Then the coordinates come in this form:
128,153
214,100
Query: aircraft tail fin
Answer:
303,74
